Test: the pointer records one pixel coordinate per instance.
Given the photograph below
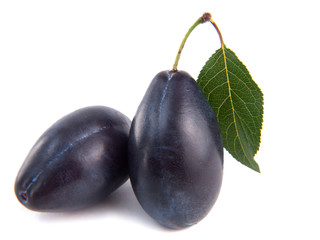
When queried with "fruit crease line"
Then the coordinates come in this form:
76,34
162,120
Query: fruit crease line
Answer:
64,151
164,93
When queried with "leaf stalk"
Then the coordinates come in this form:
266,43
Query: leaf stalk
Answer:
218,31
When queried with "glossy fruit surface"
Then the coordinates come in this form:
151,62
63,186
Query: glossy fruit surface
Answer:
78,161
175,151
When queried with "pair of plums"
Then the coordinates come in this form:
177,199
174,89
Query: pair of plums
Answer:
172,151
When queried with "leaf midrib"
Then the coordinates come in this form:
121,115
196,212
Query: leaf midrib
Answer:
233,111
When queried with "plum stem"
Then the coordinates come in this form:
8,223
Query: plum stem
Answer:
206,17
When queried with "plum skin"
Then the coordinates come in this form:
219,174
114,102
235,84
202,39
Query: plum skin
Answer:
175,151
77,162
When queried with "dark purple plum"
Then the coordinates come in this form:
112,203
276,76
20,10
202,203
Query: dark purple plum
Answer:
175,151
77,162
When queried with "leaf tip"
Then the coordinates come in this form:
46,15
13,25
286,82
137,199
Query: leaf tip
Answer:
257,170
254,166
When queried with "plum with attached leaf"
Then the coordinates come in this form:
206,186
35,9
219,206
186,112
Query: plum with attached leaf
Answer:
175,151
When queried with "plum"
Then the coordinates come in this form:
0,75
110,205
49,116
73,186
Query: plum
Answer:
77,162
175,151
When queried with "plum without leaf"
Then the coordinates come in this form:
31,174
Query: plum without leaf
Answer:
77,162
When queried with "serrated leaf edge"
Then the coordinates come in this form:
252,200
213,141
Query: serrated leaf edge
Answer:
251,162
233,112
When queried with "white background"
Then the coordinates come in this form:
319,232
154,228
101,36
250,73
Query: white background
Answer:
58,56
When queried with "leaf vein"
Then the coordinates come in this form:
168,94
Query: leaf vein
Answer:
212,78
205,73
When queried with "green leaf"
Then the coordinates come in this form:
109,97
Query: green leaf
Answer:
237,102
